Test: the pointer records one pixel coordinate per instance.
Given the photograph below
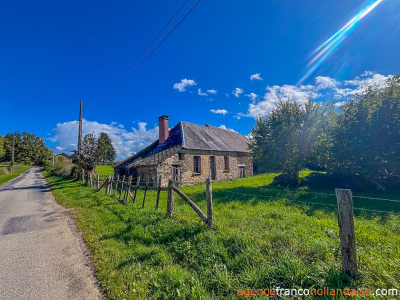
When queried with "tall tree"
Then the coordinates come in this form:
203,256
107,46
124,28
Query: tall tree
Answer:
28,148
105,149
89,158
367,135
286,138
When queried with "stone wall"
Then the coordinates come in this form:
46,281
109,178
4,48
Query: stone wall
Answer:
184,161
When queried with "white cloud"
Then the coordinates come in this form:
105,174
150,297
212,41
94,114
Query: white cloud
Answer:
325,82
339,104
181,86
230,129
212,92
219,111
256,77
324,88
201,93
252,96
237,92
126,142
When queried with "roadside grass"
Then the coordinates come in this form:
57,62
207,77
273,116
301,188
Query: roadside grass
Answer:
260,240
104,171
5,175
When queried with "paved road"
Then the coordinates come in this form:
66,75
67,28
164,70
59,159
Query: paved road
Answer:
42,255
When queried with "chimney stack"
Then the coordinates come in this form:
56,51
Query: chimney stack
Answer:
163,129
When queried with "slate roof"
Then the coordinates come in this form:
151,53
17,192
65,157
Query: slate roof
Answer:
189,136
209,137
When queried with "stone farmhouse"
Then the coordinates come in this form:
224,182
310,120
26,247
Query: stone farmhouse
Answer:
188,154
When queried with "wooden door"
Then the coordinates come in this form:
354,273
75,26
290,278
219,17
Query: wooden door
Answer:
176,174
212,167
242,173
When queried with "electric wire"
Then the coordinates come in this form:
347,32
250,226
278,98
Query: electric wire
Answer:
147,57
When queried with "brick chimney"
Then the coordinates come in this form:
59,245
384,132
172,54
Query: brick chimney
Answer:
163,129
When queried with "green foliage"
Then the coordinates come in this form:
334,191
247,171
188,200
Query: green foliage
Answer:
290,136
260,240
105,149
2,150
367,135
89,158
95,151
28,148
363,138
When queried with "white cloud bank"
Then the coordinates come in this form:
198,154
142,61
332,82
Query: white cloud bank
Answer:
324,88
219,111
126,142
184,84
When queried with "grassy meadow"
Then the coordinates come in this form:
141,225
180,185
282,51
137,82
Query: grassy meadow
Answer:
260,240
104,171
6,175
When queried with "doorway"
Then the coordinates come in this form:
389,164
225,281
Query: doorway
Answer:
242,173
176,174
212,167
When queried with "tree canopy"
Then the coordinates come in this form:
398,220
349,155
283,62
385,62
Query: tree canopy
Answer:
360,138
28,148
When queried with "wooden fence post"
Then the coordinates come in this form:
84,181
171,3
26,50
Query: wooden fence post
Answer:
107,183
98,182
171,199
83,176
122,187
128,189
145,191
346,231
158,191
209,203
136,188
116,184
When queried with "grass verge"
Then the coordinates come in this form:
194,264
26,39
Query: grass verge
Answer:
6,175
260,240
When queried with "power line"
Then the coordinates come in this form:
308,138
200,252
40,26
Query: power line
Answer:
148,56
141,53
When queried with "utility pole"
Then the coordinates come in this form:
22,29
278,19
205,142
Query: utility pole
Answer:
12,153
80,130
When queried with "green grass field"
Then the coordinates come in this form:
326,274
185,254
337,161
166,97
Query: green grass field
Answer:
104,171
260,240
5,175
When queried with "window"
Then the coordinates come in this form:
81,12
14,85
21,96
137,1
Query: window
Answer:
226,163
181,156
196,164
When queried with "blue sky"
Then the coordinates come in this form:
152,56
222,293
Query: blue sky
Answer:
74,50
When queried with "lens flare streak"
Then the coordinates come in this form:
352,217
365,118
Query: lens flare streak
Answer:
326,48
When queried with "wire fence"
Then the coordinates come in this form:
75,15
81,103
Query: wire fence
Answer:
292,193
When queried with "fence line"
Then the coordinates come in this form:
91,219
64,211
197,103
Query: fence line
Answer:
380,199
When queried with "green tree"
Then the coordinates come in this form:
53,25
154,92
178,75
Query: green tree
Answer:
2,150
28,148
289,136
89,158
105,149
366,139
